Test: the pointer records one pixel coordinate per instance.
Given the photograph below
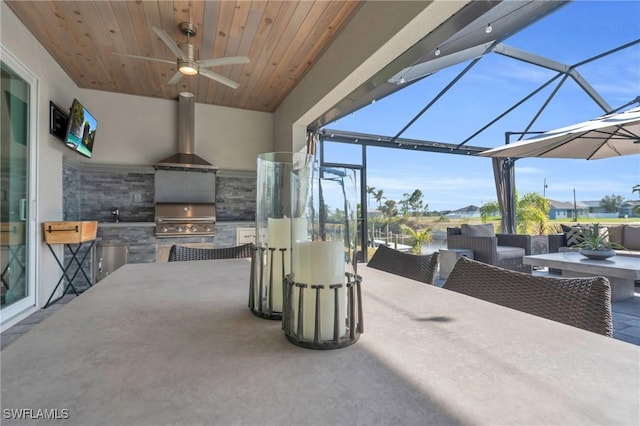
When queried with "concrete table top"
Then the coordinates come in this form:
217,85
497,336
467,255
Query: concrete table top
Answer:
622,271
618,266
175,343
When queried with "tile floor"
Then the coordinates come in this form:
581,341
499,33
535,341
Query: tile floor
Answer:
626,319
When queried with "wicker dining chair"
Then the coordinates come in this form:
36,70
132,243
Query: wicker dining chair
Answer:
583,302
417,267
182,253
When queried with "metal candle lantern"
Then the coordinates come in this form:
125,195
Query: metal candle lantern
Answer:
323,305
272,256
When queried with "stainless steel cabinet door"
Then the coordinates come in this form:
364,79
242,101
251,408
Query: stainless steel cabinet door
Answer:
108,258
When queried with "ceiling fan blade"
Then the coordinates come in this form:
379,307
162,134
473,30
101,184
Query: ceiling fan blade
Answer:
145,58
217,77
170,43
230,60
176,77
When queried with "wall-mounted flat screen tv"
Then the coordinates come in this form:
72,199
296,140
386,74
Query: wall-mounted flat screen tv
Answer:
81,130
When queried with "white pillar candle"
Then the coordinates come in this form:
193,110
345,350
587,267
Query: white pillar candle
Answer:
319,262
278,237
299,231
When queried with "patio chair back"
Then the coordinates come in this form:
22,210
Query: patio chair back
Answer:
583,302
182,253
416,267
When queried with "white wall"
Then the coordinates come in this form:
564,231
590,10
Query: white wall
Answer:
232,138
139,130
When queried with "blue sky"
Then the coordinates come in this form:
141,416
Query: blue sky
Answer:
574,33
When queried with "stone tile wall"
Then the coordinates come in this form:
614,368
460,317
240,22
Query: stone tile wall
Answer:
235,196
91,192
226,232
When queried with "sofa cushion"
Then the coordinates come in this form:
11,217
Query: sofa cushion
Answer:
508,252
454,231
485,230
616,233
631,237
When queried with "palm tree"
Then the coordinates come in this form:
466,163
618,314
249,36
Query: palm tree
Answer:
420,237
488,210
532,213
378,196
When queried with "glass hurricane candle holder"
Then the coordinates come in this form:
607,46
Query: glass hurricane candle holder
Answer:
272,257
323,304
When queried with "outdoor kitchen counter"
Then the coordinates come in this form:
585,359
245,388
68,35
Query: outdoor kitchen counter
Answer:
124,224
175,343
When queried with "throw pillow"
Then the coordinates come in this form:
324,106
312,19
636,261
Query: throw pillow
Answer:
485,230
572,234
603,230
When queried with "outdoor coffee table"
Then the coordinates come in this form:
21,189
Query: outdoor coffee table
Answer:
621,270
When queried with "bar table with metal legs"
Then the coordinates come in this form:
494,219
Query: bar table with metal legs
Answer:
75,236
75,252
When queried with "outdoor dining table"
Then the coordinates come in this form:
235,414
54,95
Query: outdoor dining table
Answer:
175,343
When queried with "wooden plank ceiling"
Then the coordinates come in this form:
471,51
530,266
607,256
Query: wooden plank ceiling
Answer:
282,40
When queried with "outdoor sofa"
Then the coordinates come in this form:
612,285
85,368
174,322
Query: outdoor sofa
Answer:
627,235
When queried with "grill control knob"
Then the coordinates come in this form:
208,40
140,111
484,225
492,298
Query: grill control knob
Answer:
207,228
194,229
165,229
180,229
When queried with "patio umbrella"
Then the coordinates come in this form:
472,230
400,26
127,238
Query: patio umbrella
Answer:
603,137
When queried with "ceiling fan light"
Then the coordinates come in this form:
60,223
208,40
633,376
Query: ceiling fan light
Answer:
188,67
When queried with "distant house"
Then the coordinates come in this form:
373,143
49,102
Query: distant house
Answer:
597,211
467,212
374,213
630,209
594,207
567,210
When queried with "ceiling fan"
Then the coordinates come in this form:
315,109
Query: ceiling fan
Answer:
187,57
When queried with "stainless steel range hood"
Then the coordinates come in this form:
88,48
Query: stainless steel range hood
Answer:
185,157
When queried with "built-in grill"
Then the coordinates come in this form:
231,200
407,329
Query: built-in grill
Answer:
185,219
185,184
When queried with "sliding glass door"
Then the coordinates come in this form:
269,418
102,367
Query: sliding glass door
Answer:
16,131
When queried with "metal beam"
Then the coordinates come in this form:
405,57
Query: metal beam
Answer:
541,61
378,87
531,58
589,90
400,143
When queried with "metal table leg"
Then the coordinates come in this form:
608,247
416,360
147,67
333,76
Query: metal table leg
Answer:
65,270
